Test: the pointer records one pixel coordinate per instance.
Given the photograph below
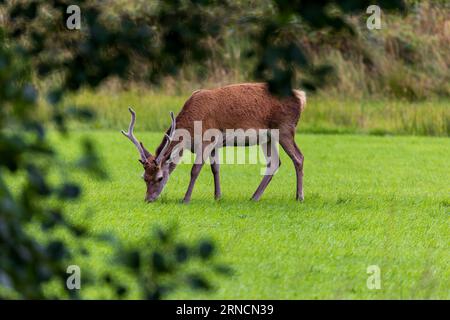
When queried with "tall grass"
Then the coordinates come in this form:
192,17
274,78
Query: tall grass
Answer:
407,58
323,114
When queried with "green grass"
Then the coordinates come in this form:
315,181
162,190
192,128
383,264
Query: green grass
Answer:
368,201
323,114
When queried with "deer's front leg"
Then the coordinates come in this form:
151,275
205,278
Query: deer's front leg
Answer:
195,171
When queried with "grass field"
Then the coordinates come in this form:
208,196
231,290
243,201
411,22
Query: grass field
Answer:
368,201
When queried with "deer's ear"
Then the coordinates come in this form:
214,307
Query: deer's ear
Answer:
146,153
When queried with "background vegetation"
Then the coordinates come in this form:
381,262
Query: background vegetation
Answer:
389,81
407,58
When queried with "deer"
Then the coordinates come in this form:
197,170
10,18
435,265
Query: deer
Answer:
244,106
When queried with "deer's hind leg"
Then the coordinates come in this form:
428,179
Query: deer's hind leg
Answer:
273,163
215,170
288,143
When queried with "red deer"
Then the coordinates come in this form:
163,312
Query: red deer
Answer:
239,106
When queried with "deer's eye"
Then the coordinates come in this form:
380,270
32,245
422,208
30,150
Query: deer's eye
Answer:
159,179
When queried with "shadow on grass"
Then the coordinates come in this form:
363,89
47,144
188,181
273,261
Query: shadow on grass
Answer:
313,203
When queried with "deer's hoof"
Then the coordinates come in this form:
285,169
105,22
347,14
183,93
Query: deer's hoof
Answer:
185,201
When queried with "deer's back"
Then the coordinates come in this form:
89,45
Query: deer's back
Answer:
242,106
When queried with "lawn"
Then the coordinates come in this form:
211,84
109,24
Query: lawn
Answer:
369,200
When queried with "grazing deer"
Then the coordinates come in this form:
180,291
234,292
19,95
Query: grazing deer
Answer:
239,106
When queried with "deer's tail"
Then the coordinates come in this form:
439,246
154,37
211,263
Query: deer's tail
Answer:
301,96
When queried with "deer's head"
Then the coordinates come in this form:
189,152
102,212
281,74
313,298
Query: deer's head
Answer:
156,170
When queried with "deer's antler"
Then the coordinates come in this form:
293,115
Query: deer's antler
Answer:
130,135
169,138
